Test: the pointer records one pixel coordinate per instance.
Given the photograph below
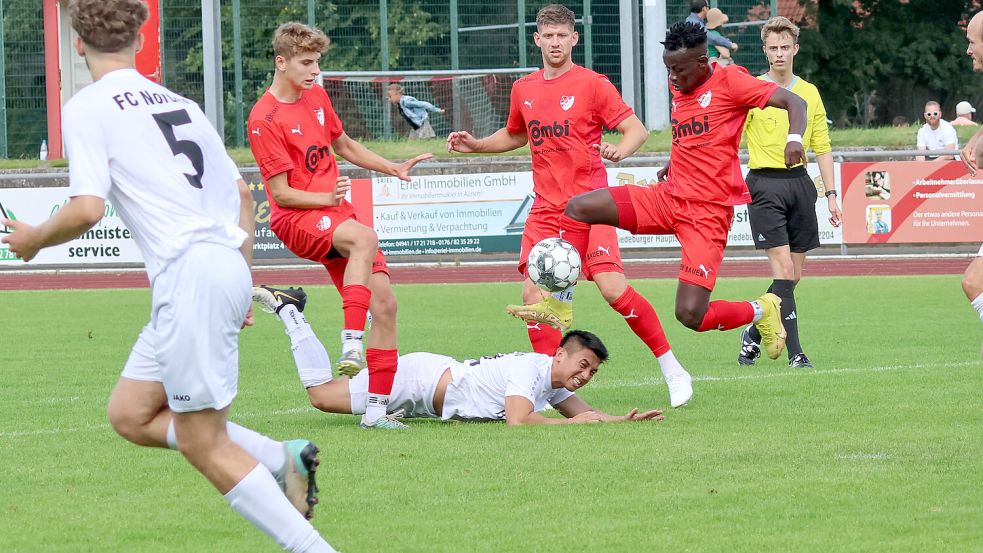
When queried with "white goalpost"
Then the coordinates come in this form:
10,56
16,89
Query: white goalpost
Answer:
475,100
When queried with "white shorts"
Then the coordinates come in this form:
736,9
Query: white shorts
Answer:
191,344
417,375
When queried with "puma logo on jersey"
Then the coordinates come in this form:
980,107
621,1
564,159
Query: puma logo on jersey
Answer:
297,130
704,100
706,272
631,315
561,233
256,131
566,102
528,103
607,251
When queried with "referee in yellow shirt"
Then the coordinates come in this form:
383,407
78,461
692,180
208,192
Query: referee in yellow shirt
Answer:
783,201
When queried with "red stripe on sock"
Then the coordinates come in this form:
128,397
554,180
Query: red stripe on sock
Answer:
544,338
382,370
355,304
642,319
725,315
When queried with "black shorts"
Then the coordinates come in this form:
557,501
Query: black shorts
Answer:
783,209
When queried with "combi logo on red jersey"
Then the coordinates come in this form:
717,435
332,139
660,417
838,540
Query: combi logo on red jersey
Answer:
539,132
693,127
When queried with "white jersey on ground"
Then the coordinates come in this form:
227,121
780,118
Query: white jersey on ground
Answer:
154,156
480,386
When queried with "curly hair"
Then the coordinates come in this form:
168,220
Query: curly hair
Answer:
686,35
295,38
555,14
108,25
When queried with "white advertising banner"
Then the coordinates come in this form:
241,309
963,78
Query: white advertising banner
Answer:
107,242
485,212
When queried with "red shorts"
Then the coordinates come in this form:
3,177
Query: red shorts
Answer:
309,233
700,227
603,254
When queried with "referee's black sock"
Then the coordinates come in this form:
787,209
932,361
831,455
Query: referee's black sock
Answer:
753,332
785,290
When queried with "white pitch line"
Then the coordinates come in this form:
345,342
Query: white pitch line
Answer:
597,385
799,373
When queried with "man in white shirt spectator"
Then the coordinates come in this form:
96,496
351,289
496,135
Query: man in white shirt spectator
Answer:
964,114
936,133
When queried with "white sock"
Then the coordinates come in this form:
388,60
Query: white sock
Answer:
310,357
758,312
267,451
351,340
669,364
313,363
565,296
375,407
978,305
296,323
258,498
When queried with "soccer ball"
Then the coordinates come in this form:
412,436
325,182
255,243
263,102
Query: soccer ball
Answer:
553,264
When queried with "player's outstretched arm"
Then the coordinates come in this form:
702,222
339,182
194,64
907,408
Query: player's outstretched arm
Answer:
797,110
247,222
519,411
501,141
574,406
633,135
285,196
356,153
79,215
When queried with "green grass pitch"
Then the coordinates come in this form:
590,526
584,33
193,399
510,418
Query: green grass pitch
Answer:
876,449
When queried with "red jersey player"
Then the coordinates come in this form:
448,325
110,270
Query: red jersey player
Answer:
702,183
294,134
561,111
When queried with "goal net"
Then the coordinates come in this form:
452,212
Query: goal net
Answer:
473,100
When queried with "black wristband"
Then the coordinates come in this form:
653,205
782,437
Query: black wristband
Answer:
831,193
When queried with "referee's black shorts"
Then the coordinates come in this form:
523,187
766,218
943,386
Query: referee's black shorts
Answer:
783,209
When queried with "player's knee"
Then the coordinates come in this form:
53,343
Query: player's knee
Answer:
383,307
366,241
972,286
124,423
578,208
611,289
690,317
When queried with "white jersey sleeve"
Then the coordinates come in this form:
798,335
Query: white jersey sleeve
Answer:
88,174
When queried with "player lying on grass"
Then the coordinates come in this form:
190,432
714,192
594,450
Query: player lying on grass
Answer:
513,387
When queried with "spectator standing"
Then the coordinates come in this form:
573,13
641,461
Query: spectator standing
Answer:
416,112
698,14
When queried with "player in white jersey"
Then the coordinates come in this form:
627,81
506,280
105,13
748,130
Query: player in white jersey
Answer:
513,387
154,155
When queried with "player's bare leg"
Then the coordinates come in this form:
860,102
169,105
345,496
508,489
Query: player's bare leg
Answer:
644,322
248,486
973,286
358,243
138,412
332,397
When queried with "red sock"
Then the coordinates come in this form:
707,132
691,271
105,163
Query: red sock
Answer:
576,233
382,370
355,304
641,317
725,315
544,338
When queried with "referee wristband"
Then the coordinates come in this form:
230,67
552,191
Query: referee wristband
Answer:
794,138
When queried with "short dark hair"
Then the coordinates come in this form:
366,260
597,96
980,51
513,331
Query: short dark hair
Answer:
685,35
587,340
696,6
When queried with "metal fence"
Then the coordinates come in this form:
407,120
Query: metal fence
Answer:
420,35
